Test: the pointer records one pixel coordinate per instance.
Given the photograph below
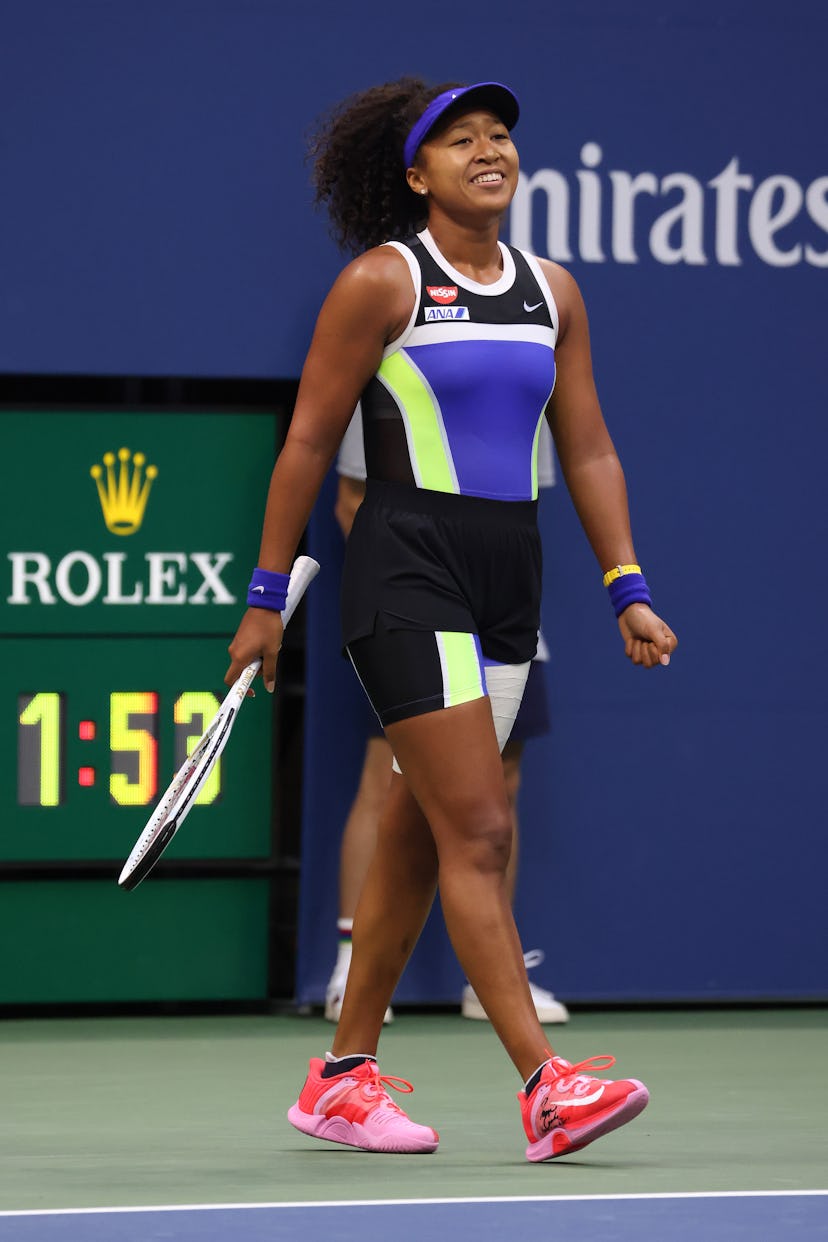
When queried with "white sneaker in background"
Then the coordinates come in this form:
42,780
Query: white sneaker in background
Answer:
334,994
547,1007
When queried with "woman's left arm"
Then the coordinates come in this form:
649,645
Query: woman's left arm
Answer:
591,468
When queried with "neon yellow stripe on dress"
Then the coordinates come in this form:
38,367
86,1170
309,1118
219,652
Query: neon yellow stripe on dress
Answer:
535,447
427,444
462,679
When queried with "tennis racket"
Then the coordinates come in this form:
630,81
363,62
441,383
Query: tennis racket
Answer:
183,790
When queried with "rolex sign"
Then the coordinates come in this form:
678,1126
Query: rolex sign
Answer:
131,523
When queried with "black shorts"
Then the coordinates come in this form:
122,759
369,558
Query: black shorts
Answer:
432,561
405,673
410,672
533,718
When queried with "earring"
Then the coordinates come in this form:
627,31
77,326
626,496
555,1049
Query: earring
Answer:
424,191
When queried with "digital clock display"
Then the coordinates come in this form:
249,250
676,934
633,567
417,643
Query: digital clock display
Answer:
133,746
99,743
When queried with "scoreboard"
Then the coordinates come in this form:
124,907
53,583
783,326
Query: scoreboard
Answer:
129,540
100,726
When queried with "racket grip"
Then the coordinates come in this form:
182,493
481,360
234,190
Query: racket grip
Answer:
304,570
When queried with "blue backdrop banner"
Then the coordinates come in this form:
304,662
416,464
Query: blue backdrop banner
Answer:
157,219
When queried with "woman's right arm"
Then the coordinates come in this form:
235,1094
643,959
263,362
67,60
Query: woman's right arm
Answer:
369,305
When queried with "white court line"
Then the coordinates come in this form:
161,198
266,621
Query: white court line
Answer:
345,1203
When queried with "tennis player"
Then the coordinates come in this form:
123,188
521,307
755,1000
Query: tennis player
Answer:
360,831
457,346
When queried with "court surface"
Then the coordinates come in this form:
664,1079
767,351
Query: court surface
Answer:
128,1129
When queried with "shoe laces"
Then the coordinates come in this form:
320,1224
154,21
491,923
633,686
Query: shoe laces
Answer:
373,1089
567,1074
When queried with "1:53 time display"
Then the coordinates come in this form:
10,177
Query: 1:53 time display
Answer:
131,754
99,726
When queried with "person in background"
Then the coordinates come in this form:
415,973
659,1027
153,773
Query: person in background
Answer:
457,346
360,832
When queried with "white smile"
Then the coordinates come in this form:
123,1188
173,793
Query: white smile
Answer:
487,178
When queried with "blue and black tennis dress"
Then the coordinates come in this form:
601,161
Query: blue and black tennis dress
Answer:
446,543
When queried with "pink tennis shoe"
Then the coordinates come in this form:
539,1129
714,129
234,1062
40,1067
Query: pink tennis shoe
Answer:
354,1108
568,1108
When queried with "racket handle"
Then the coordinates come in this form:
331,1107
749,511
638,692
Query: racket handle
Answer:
304,570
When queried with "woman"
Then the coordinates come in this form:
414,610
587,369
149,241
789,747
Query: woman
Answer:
453,343
360,832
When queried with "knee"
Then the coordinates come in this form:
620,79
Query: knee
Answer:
481,839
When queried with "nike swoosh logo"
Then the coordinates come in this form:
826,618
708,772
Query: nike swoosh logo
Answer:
529,309
260,589
580,1101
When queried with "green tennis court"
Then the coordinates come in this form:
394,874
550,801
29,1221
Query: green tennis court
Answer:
182,1110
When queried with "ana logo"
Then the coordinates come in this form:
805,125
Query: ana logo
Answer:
433,313
123,495
442,293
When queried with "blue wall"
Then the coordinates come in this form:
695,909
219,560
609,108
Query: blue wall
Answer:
157,220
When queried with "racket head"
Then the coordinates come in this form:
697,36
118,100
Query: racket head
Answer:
183,790
132,876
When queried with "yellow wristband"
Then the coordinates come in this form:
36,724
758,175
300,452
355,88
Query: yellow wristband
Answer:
619,571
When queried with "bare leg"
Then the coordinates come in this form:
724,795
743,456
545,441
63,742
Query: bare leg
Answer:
359,836
512,755
451,762
393,906
547,1007
360,833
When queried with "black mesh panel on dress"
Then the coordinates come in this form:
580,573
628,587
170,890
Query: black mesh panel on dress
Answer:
386,448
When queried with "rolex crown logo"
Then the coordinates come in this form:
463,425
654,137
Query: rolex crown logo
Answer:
123,494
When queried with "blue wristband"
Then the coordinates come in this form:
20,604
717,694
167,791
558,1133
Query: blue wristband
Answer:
628,589
267,590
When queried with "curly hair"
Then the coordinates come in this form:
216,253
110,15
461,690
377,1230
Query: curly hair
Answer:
358,168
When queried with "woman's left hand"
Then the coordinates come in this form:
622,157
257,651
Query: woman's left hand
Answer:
647,639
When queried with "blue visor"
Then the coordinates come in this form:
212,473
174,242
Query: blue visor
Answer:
491,95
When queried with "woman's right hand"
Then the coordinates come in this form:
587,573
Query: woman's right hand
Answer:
648,641
259,636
